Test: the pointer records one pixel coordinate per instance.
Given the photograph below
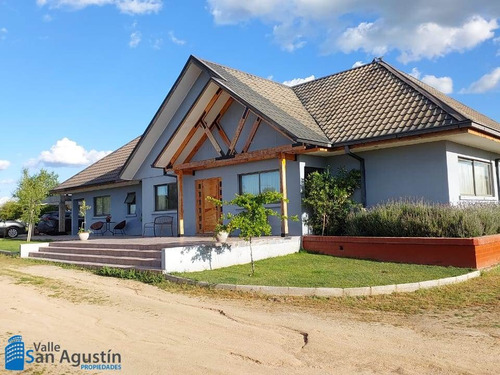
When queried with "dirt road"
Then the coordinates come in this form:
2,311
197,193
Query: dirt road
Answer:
156,332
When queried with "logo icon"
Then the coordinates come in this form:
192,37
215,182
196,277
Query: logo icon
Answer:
14,354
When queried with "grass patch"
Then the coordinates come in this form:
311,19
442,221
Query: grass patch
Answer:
131,274
314,270
13,245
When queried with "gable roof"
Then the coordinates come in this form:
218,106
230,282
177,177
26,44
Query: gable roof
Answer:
271,100
376,101
105,171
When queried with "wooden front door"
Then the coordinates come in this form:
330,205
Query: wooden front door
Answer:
207,214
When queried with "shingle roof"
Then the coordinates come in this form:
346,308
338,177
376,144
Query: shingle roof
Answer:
275,101
370,101
107,170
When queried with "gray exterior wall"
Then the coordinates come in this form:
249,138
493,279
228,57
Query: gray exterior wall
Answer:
413,172
230,187
453,152
118,208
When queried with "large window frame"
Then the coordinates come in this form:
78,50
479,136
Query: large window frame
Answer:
469,174
102,205
259,176
165,197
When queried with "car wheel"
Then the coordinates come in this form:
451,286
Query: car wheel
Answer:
12,232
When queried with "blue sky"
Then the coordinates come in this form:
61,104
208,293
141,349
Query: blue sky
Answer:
80,78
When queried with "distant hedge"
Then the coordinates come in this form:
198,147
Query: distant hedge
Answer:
419,219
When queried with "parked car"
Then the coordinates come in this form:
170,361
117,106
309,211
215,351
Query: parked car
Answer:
11,228
49,223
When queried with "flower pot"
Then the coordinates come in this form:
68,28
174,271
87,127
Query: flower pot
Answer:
222,237
84,236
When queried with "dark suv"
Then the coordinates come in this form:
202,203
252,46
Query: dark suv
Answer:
49,223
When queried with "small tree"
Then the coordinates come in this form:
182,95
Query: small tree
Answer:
328,199
83,212
11,210
253,220
31,191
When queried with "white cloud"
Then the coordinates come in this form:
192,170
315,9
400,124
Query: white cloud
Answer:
7,181
357,64
418,29
157,43
4,164
3,33
139,6
488,82
443,84
135,39
4,200
125,6
175,40
47,18
298,81
67,153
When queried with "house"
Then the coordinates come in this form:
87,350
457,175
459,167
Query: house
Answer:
221,131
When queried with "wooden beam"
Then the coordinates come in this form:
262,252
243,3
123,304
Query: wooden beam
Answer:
251,136
241,123
212,139
180,203
283,191
184,144
62,212
192,131
266,154
223,134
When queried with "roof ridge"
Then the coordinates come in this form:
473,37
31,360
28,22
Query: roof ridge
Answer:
454,112
334,74
243,72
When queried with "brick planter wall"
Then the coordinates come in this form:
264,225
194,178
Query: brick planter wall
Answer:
478,252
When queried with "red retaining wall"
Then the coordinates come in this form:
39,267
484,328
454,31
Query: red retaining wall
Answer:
478,252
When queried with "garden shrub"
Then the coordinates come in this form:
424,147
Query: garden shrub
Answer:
420,219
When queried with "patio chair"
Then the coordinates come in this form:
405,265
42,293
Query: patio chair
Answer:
160,223
97,228
120,227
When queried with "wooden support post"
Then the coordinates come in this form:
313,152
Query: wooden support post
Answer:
62,213
180,204
284,204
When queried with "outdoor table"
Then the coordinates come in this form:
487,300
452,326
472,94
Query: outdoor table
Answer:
108,227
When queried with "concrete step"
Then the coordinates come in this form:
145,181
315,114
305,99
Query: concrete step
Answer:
156,254
108,245
100,265
103,259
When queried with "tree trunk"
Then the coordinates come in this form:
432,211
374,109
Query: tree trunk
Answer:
30,229
324,225
251,258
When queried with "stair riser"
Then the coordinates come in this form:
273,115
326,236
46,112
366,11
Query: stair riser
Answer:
107,260
104,252
119,246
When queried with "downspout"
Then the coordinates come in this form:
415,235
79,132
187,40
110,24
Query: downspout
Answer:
497,164
363,174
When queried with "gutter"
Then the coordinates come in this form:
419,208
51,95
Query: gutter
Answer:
363,173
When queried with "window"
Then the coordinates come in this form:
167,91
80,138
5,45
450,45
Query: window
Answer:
166,197
475,178
260,182
102,205
130,201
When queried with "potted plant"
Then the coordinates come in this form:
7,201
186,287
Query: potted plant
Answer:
82,232
222,230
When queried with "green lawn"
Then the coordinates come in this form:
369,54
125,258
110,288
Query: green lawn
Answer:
313,270
12,245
